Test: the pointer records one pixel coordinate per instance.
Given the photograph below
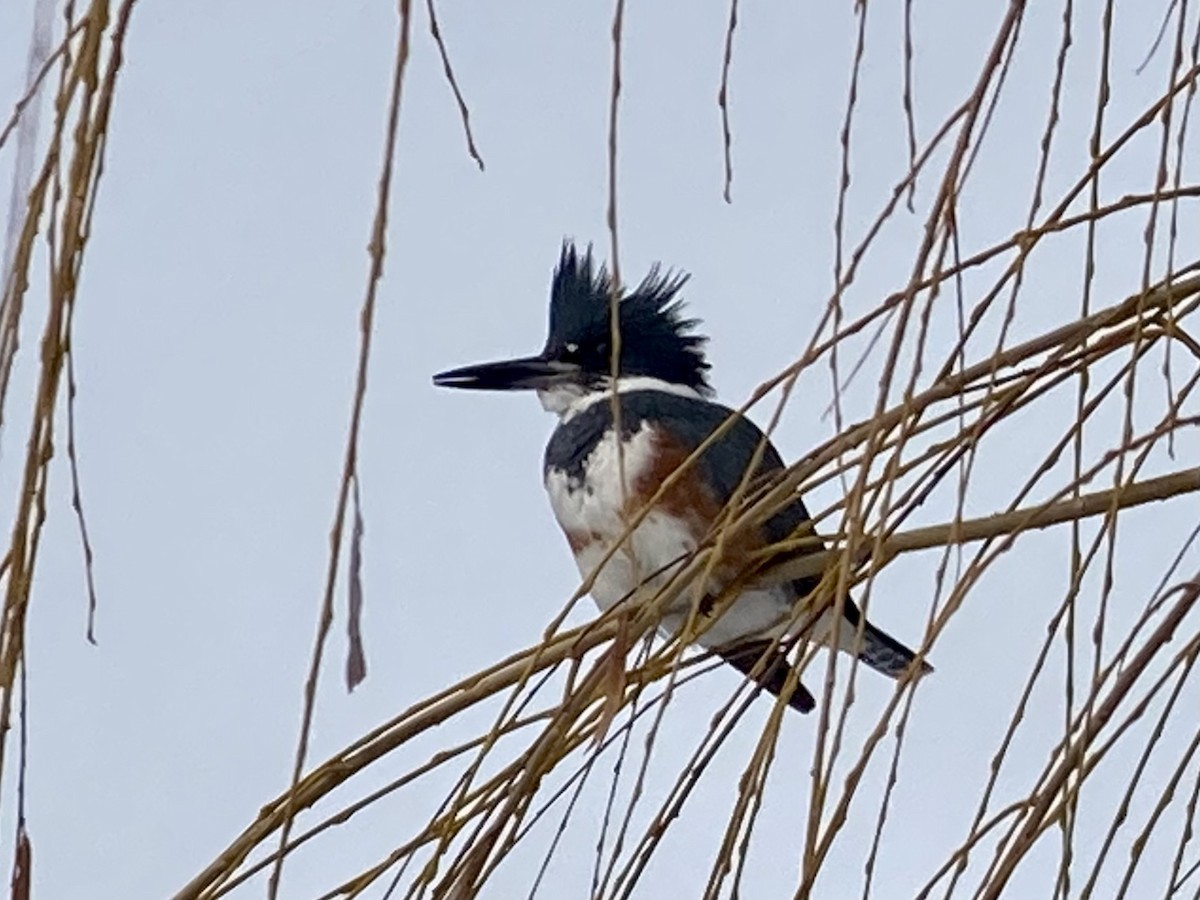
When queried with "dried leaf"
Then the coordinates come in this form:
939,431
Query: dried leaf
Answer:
356,658
22,873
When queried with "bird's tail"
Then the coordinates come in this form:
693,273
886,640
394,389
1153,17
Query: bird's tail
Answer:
773,673
885,654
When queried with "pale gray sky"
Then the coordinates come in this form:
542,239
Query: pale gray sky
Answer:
217,332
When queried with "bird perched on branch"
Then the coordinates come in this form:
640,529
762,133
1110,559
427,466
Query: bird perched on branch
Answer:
665,414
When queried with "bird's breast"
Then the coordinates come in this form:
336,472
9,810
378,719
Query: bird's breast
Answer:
595,508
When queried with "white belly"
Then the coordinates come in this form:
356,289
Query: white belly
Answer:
593,507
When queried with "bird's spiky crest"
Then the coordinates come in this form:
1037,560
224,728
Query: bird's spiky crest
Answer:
656,339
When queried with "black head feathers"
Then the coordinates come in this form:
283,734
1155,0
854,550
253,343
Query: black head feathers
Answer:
656,340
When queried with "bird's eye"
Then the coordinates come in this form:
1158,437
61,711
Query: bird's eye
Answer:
572,349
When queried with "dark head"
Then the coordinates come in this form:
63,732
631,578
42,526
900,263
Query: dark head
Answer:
656,340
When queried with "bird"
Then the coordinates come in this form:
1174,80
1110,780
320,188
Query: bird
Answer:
665,411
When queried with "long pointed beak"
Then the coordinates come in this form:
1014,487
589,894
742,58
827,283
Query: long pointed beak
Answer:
529,373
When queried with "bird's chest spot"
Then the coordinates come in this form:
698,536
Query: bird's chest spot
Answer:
595,512
590,502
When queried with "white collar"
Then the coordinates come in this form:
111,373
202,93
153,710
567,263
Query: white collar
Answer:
569,400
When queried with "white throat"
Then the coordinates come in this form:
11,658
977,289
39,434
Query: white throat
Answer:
568,400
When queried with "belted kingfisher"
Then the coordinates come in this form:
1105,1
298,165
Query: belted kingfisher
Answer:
665,414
